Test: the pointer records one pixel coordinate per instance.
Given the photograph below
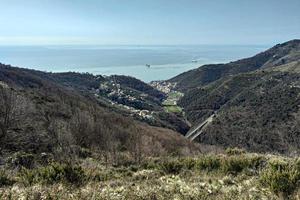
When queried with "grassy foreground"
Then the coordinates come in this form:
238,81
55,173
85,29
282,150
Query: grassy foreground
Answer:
236,175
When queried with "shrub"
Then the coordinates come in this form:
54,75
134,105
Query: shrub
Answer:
54,173
104,175
22,159
123,171
46,158
171,166
296,167
257,162
73,174
281,177
208,163
4,179
189,163
279,181
84,153
238,163
235,164
133,168
235,151
151,164
123,160
28,177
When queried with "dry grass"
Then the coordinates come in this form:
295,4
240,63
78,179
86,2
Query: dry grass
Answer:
205,177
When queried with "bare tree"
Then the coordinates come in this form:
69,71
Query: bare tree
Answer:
12,108
135,146
82,126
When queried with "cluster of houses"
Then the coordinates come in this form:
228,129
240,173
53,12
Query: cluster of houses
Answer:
113,89
163,86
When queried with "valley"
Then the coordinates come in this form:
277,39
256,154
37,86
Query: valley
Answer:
218,131
149,100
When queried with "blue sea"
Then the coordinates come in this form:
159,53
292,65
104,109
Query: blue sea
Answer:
165,61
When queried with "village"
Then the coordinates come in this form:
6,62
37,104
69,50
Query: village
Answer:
122,98
128,100
173,96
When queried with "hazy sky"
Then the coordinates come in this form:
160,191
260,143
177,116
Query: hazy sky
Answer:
148,21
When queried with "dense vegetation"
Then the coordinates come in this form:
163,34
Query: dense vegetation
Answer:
254,111
39,115
235,175
257,109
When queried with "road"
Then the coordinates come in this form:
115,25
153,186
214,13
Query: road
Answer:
199,129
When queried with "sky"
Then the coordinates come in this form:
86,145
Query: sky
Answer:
148,22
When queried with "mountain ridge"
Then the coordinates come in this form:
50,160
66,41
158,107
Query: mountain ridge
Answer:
209,73
255,109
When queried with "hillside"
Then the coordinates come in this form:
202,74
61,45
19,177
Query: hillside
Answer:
78,135
278,55
125,95
256,111
255,101
58,114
